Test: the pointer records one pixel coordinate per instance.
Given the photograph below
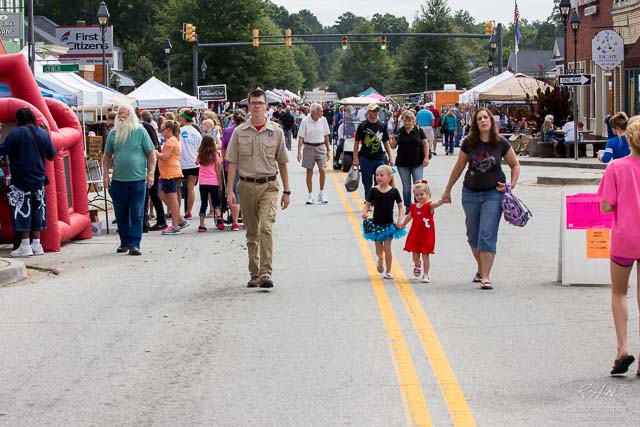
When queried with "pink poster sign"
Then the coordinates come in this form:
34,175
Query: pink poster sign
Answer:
583,212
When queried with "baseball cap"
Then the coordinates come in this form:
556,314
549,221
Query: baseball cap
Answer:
373,107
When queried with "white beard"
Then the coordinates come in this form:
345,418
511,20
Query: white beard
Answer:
123,129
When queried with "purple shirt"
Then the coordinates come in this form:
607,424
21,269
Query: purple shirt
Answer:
226,137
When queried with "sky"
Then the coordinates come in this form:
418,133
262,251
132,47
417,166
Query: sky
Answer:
327,11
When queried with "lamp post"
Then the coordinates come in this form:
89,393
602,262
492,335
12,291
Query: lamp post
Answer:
493,44
103,20
565,7
490,64
575,25
426,74
167,53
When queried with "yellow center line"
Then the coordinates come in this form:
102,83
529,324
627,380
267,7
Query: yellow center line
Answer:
408,377
454,397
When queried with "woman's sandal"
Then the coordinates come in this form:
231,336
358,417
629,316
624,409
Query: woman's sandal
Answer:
487,286
388,276
477,278
417,269
379,267
621,366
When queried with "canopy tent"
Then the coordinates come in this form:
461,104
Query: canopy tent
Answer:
154,94
272,99
471,96
361,100
87,95
118,98
6,93
368,92
290,94
515,88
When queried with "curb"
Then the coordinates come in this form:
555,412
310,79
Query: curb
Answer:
566,179
11,271
562,164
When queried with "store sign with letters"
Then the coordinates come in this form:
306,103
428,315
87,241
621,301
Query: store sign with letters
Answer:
607,49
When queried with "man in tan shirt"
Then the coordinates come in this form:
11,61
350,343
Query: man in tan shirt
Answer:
256,153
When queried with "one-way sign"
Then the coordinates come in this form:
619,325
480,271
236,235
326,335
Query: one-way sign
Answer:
575,80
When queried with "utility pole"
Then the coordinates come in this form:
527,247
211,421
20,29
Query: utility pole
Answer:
499,55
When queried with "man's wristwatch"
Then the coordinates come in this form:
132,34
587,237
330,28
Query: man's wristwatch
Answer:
287,192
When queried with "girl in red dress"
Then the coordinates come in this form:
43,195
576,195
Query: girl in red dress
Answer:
422,236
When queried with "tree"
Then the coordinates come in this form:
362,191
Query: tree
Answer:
388,23
447,63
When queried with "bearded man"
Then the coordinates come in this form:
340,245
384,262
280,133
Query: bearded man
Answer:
134,161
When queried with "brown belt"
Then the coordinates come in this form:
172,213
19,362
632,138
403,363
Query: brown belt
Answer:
259,180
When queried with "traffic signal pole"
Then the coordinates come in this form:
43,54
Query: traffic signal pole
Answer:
195,67
499,54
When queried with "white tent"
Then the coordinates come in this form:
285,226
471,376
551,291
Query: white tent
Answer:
514,89
471,96
156,94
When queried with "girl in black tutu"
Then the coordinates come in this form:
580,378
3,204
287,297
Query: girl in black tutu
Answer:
382,228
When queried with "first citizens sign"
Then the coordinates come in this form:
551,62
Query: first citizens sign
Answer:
607,49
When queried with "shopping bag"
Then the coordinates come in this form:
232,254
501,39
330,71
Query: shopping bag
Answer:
353,179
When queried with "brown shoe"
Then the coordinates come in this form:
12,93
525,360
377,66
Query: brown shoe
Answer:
266,282
134,251
254,282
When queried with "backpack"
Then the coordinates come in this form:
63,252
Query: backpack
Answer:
514,211
443,123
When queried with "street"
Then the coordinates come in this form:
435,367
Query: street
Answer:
175,338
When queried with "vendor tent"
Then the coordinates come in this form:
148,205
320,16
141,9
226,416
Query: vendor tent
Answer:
117,97
87,95
272,99
361,100
154,94
471,96
515,88
368,92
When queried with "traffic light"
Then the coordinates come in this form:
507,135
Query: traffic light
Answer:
288,41
488,27
345,42
256,37
383,42
190,32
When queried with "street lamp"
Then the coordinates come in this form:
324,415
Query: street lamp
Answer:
575,25
426,73
204,69
493,44
565,7
167,53
103,20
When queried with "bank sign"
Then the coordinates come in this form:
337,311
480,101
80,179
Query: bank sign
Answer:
607,49
85,43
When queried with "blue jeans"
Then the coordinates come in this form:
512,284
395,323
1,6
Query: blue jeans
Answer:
448,141
368,169
408,176
458,136
483,210
128,204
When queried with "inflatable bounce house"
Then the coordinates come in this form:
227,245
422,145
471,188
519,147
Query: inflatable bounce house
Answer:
66,193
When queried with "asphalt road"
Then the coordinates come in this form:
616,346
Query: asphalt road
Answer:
174,337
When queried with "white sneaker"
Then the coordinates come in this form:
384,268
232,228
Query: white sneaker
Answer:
322,198
22,251
426,279
310,200
37,249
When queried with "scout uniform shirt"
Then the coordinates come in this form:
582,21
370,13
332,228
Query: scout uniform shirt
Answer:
257,154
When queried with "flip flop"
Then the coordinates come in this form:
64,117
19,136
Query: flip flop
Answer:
621,366
486,286
379,267
388,276
477,278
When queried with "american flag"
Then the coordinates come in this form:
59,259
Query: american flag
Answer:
516,25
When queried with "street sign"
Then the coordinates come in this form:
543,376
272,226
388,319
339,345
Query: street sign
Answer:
575,80
212,93
10,27
60,68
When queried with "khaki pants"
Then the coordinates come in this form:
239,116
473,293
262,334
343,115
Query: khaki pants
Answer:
259,204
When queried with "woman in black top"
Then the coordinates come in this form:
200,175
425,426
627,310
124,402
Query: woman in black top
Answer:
483,188
412,156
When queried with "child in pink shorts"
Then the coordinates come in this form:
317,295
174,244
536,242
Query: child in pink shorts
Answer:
620,193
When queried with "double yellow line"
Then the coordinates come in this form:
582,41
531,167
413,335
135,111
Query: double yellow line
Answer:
412,394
